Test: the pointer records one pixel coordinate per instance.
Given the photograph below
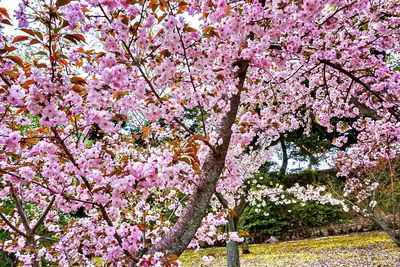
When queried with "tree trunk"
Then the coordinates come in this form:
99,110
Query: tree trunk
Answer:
232,247
388,231
179,237
285,158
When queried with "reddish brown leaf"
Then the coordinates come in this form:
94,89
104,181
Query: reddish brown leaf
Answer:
16,59
28,31
79,37
6,21
75,38
27,83
63,61
78,80
11,48
34,41
3,11
198,137
62,2
20,38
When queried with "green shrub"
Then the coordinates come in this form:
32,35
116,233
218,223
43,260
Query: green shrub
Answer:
257,222
275,219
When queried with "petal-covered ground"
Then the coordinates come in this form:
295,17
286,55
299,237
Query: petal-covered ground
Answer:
363,249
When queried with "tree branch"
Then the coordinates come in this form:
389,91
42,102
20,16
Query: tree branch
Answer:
89,187
150,84
41,219
7,82
20,210
4,218
360,82
222,200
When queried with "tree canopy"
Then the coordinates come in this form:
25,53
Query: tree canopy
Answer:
214,81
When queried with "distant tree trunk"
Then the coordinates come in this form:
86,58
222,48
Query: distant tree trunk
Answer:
285,158
388,231
232,247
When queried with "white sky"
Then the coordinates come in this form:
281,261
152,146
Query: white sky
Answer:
11,6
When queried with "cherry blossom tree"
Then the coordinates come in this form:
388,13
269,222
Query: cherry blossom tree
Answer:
372,191
242,185
74,70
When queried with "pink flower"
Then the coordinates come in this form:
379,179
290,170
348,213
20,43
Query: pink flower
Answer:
26,173
171,23
20,15
73,13
12,141
16,96
109,60
233,236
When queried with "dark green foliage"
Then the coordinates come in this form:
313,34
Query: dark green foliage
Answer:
195,117
6,260
308,177
304,177
78,213
315,214
307,146
276,219
377,52
257,222
95,133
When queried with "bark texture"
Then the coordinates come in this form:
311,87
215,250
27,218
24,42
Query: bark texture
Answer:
232,247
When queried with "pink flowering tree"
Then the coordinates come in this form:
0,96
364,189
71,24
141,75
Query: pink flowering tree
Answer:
242,184
73,70
372,188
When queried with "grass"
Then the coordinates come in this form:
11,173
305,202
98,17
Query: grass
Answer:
359,250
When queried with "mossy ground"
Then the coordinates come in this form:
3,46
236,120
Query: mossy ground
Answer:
362,249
